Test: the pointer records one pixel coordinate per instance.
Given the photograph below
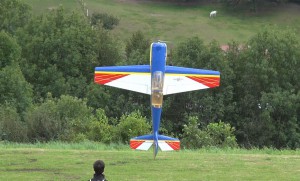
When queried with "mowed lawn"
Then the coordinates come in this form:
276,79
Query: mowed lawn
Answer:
160,21
205,164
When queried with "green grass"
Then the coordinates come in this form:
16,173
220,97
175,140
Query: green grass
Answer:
58,161
176,23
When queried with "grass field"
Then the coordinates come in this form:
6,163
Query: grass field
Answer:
176,23
57,161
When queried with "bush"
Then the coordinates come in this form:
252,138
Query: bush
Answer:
131,125
99,129
43,122
11,126
215,134
137,49
108,21
74,115
64,119
221,135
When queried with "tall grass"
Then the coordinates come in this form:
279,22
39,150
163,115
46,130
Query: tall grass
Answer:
90,145
85,145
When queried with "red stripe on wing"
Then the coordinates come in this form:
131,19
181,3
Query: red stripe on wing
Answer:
175,145
135,143
208,81
102,78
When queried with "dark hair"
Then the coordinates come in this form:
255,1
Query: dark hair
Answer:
99,167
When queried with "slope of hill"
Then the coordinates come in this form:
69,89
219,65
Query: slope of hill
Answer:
175,23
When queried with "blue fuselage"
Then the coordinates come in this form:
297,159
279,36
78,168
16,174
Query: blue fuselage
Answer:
158,57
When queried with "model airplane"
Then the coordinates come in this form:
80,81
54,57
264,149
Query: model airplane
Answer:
157,80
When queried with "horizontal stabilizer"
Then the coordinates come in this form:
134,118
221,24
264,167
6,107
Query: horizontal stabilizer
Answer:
165,143
141,142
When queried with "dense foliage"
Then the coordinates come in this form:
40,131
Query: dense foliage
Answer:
47,90
105,20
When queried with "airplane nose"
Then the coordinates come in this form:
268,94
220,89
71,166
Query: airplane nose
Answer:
158,48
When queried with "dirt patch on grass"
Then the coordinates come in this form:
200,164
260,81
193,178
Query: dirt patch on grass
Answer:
119,163
30,170
33,160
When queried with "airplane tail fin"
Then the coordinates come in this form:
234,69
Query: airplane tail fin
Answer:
165,143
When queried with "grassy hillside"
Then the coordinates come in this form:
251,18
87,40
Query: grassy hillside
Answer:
176,23
74,162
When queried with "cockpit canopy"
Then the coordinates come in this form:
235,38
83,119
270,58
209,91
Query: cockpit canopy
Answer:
157,89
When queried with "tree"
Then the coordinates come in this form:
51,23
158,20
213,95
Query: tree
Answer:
190,53
268,66
208,105
280,109
14,89
137,48
60,51
13,15
137,52
10,51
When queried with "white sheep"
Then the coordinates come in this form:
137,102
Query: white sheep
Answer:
213,14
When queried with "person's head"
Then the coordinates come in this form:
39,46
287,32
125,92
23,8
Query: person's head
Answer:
99,167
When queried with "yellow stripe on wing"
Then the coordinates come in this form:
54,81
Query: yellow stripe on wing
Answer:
192,75
127,73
